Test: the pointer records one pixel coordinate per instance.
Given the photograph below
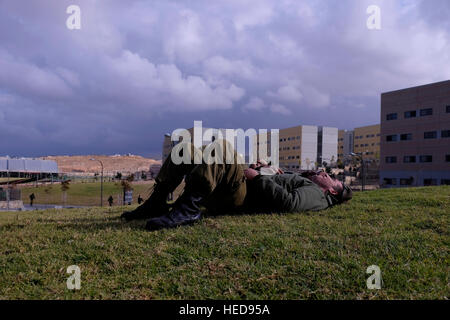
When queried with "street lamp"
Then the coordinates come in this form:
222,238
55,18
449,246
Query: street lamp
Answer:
101,183
363,178
7,183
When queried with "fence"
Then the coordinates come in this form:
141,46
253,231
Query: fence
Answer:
14,195
359,179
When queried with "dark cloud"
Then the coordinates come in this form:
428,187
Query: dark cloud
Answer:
139,69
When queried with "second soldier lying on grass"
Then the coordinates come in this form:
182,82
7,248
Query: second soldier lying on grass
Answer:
224,188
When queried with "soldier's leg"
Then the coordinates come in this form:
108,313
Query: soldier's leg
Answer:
222,185
202,182
224,180
169,177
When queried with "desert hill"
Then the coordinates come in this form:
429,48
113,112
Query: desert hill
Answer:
112,164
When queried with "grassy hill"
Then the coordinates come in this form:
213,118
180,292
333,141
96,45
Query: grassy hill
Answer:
315,255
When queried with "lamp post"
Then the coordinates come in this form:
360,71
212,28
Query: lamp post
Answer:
101,182
363,173
7,183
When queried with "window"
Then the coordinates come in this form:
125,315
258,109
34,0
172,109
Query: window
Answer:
426,159
406,182
390,181
447,158
409,159
391,116
430,135
406,137
356,145
445,134
448,109
445,182
429,182
391,138
410,114
426,112
391,159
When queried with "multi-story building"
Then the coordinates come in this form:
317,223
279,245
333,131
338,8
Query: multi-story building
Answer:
345,143
367,141
306,147
300,148
415,136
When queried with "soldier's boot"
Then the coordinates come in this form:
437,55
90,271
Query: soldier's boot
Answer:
154,206
186,210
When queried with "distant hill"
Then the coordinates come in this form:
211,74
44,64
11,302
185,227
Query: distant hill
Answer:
124,164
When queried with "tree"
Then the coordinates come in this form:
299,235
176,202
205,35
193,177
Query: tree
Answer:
126,186
119,176
65,185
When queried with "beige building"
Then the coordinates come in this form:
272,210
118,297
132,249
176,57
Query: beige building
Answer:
367,141
306,147
415,136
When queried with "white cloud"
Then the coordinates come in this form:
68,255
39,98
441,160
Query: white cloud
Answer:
252,13
185,41
218,66
143,59
69,77
281,109
156,86
255,104
315,98
287,93
25,78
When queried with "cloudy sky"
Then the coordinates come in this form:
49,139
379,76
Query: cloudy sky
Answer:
138,69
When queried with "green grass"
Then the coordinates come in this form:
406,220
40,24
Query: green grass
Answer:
315,255
82,194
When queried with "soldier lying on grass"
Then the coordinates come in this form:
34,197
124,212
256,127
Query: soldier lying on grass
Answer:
223,188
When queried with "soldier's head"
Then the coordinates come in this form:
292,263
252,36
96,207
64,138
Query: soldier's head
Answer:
338,191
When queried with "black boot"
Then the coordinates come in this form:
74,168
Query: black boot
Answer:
185,211
155,206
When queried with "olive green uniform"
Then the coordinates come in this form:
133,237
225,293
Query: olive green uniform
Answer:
226,191
222,185
284,193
